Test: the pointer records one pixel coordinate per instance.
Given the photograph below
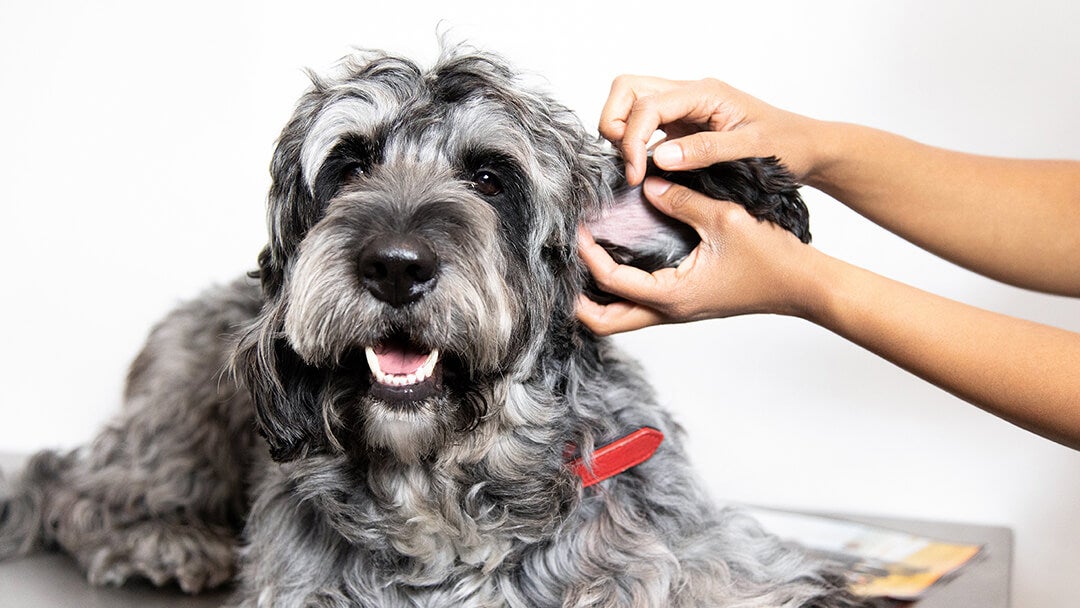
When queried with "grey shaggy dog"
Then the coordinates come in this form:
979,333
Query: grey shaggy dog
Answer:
408,382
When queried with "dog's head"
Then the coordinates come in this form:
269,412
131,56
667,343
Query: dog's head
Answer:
423,250
422,247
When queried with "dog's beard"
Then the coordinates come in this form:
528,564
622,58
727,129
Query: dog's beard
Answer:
410,432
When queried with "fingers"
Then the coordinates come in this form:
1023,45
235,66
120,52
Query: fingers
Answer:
683,204
651,113
701,149
625,91
617,279
651,298
638,106
616,317
648,294
629,121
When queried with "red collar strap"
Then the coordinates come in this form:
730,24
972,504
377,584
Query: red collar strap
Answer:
618,456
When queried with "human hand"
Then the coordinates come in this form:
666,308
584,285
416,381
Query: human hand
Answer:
742,265
705,122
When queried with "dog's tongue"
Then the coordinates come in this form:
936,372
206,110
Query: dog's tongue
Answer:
399,358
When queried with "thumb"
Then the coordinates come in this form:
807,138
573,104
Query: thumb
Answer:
682,203
701,149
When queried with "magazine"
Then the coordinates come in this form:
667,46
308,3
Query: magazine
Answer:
883,562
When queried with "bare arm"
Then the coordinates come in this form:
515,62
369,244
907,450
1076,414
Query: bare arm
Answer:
1017,221
1024,372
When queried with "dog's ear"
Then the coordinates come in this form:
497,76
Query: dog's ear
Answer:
271,272
634,232
292,208
286,393
763,185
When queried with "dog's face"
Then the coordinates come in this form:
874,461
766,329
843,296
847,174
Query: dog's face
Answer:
421,251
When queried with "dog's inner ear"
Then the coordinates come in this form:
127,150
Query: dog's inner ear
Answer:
634,232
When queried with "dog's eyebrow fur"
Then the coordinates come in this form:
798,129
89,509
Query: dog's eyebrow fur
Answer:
353,115
350,153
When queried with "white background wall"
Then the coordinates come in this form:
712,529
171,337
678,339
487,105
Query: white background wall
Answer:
135,140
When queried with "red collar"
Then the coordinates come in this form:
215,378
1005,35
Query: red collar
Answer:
618,456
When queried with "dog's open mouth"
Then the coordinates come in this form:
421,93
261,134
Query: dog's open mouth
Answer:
402,371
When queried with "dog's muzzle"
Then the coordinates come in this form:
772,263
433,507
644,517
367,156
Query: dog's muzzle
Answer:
398,268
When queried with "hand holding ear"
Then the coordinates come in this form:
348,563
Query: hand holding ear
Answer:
705,122
742,265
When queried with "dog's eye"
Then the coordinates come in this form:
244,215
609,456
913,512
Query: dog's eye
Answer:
487,183
354,171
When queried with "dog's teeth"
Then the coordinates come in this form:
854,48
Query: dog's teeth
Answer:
373,363
429,366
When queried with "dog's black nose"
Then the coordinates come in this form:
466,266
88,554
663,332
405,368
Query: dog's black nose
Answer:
398,269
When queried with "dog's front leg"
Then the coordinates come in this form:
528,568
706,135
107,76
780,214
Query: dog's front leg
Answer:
159,494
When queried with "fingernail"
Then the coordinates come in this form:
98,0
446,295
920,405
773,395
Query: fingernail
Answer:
656,186
668,155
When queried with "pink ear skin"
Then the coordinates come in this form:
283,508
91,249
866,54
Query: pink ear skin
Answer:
636,233
628,221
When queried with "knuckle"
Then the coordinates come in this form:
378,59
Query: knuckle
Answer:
701,147
603,325
611,128
643,105
733,216
622,81
597,327
679,197
608,279
601,278
715,84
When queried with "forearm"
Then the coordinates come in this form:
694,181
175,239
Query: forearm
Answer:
1017,221
1022,371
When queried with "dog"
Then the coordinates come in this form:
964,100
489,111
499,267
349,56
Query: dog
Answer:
409,412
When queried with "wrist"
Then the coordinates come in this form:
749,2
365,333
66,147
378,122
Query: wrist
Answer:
814,279
828,143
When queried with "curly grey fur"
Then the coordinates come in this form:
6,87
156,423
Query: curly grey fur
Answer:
462,498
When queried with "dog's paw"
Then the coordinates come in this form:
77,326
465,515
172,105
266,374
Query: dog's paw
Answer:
195,557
